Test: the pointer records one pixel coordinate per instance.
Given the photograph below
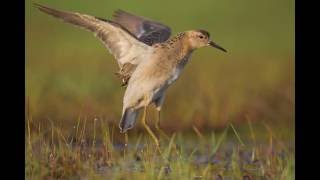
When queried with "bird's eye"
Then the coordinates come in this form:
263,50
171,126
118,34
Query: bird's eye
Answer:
201,37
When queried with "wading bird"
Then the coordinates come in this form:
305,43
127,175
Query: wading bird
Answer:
149,60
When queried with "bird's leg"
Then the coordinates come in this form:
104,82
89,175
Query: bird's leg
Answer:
125,144
148,128
157,125
158,121
126,139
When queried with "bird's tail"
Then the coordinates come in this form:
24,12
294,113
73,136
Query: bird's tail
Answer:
128,119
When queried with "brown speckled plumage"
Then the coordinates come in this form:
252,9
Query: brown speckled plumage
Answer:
149,62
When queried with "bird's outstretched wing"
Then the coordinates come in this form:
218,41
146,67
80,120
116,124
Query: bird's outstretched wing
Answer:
120,42
146,30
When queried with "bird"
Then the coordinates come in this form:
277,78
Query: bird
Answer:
149,59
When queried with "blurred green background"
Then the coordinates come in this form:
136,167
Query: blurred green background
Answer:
69,73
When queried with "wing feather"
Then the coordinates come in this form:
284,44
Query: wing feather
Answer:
120,42
148,31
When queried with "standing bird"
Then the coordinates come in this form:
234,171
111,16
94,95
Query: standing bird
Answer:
149,62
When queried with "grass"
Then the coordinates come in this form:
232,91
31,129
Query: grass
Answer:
101,153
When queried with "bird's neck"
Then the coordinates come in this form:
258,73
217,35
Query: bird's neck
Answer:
180,44
186,48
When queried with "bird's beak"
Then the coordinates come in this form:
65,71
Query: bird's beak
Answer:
213,44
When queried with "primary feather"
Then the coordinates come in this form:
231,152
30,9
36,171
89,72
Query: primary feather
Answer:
127,49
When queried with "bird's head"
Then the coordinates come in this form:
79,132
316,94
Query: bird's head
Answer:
201,38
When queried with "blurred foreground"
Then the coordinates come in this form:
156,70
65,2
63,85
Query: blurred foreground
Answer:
217,155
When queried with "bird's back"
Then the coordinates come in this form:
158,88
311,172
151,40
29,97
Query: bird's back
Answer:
154,75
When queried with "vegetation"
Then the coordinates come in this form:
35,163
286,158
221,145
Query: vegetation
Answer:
216,155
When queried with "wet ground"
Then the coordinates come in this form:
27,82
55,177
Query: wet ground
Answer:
194,158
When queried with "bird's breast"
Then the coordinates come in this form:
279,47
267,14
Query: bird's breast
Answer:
178,69
175,74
